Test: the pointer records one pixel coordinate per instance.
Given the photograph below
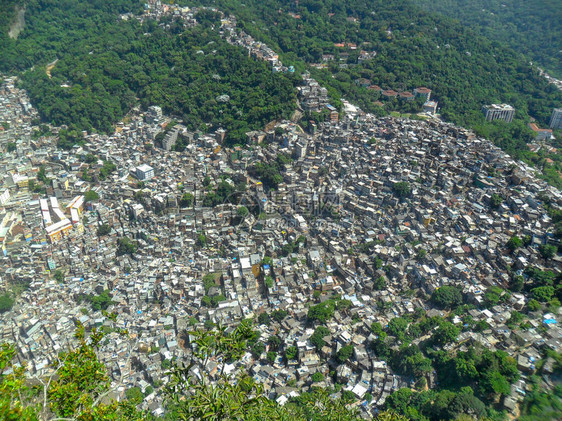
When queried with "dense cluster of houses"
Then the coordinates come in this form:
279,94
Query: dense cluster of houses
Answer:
333,225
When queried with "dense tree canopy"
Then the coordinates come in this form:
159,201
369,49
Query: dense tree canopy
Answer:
447,297
413,48
104,63
513,23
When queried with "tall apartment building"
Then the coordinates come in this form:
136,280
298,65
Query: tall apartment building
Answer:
556,119
499,112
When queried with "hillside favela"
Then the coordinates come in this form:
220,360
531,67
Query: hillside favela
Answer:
280,210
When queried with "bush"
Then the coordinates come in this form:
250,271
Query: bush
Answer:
91,196
447,297
317,377
6,302
103,229
344,353
321,312
125,246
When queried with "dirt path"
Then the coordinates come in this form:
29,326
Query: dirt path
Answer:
50,67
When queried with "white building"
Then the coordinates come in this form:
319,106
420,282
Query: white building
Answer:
503,112
556,119
144,172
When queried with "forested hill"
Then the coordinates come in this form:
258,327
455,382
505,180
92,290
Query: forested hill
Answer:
105,63
533,27
411,48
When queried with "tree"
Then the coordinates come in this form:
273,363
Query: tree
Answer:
125,246
41,175
495,201
81,387
134,394
269,282
317,377
401,189
291,353
82,382
397,327
271,356
274,341
202,240
547,251
242,211
101,301
264,319
494,383
542,294
209,281
321,312
399,400
491,298
91,196
186,200
344,353
514,243
376,328
279,315
517,283
59,276
447,297
379,284
103,229
6,302
316,337
445,333
420,255
258,348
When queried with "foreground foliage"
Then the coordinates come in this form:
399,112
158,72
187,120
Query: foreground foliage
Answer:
81,389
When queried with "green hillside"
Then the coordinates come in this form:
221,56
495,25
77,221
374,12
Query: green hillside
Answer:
464,69
413,48
533,27
105,63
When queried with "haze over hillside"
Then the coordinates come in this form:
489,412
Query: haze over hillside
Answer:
532,27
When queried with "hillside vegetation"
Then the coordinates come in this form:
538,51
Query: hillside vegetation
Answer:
105,63
413,48
108,62
532,27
